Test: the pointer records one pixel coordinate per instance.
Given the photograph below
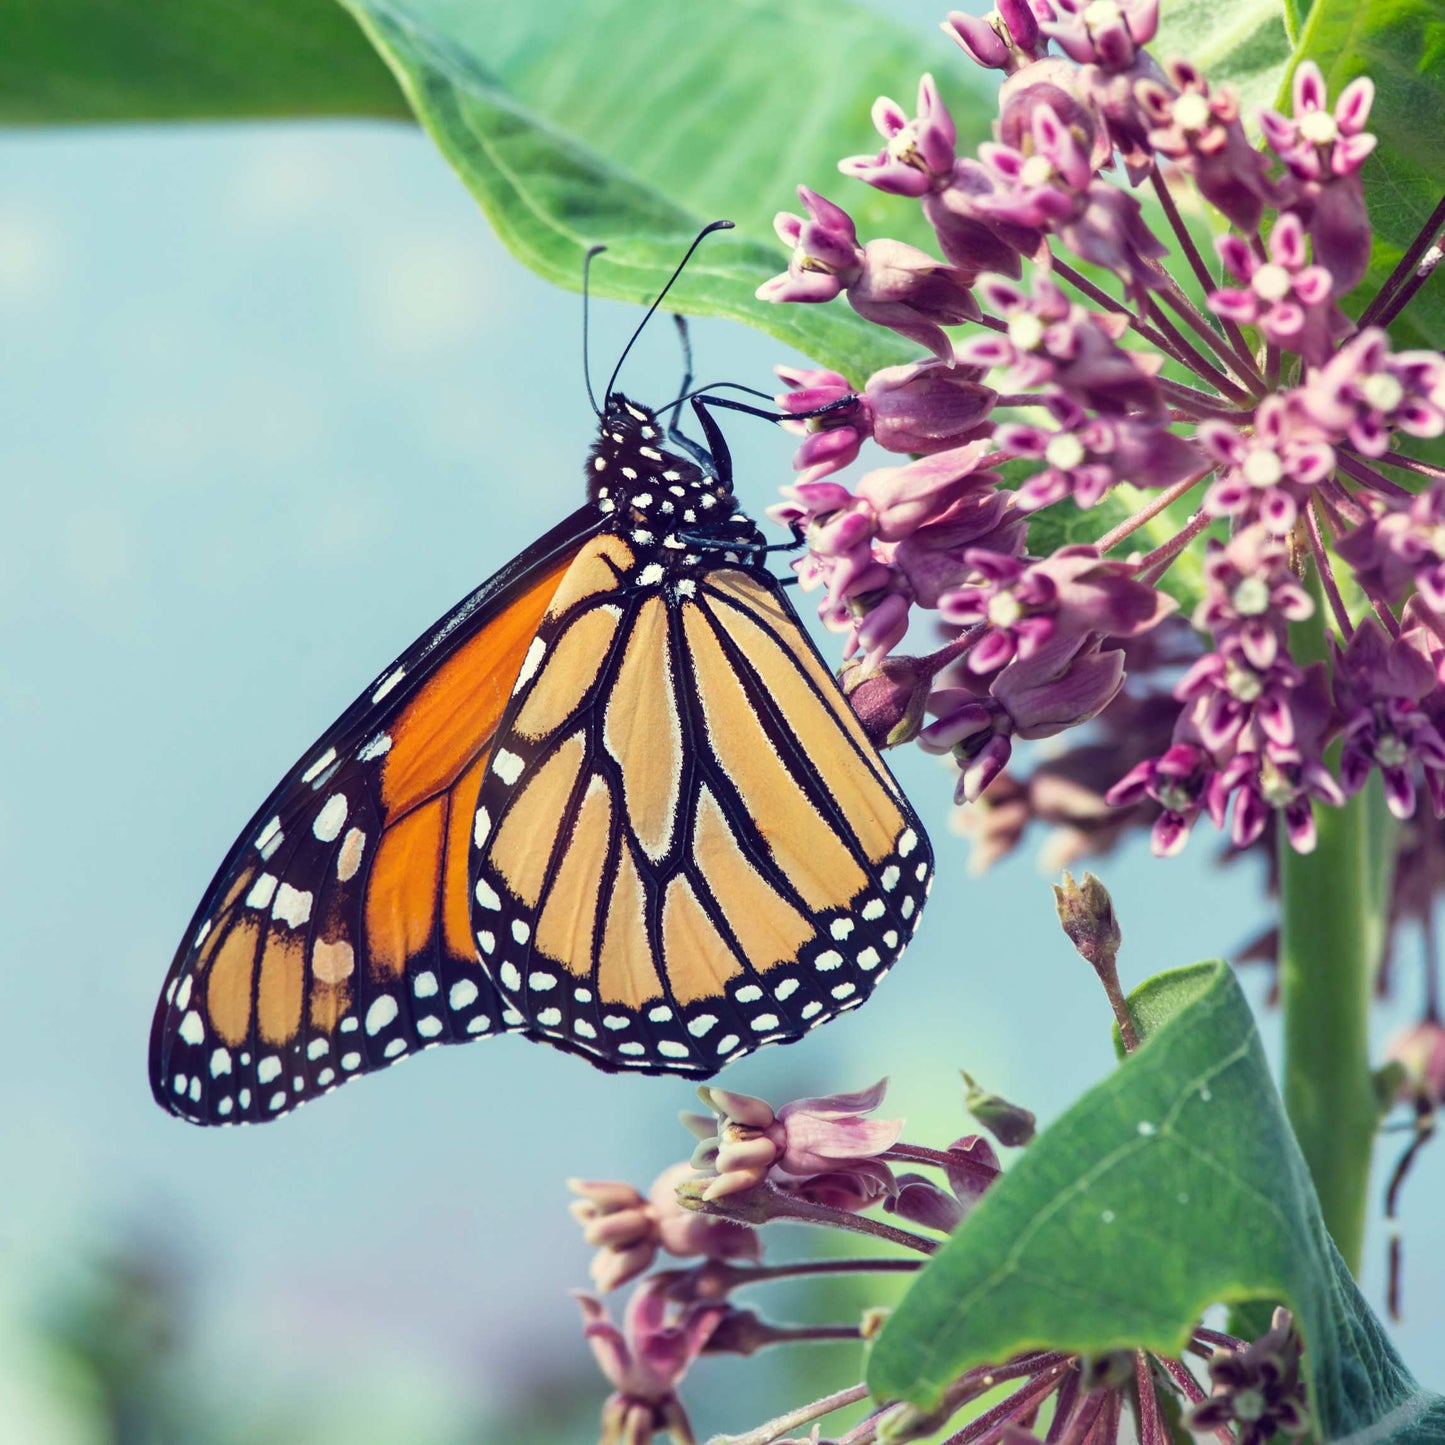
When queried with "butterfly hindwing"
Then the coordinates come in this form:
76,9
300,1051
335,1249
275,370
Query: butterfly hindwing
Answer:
615,800
336,938
697,852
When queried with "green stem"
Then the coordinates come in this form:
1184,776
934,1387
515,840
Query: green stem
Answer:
1333,916
1325,972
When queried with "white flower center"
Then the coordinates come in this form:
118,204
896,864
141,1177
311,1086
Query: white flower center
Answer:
1004,609
1319,128
1391,752
1262,468
1175,797
1251,597
1025,330
1064,451
1248,1404
1191,111
1271,282
904,146
1038,170
1102,13
1243,683
1382,391
1279,792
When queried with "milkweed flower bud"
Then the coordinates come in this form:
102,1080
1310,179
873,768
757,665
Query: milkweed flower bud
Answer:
1010,1124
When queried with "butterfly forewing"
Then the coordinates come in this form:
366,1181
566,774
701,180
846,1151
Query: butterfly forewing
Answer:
336,938
687,848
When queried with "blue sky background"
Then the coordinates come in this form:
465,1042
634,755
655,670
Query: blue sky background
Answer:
271,399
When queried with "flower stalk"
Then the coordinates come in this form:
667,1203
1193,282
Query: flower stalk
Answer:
1330,940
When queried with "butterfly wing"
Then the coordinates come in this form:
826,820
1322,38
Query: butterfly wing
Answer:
687,848
336,937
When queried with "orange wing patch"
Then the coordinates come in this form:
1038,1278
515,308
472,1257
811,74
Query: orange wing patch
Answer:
768,927
591,574
802,842
642,732
626,969
567,928
444,727
870,807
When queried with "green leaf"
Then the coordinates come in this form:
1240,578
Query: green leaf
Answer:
1242,42
1173,1184
1401,45
64,61
569,137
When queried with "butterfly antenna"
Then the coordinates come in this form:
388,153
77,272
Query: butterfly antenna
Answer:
592,251
661,295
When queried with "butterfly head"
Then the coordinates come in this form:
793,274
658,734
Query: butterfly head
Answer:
631,471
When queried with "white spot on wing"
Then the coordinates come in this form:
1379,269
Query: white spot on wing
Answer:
424,985
378,747
269,838
463,994
348,860
382,1012
481,827
531,663
487,895
319,766
507,766
262,891
331,818
292,906
387,683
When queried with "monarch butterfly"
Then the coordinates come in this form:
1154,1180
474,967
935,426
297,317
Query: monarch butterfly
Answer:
614,801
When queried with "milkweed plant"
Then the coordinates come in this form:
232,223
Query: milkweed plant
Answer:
1144,315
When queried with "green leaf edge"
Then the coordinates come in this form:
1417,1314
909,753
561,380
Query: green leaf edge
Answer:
719,282
1165,1007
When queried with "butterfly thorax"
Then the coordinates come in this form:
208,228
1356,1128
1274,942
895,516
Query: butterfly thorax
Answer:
674,513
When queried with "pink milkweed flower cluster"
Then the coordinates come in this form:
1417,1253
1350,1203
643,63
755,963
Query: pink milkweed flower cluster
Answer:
831,1163
1107,423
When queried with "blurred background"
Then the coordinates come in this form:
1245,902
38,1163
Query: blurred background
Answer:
271,399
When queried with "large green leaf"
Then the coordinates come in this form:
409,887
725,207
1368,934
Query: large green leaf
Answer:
1401,45
63,61
632,124
1174,1184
